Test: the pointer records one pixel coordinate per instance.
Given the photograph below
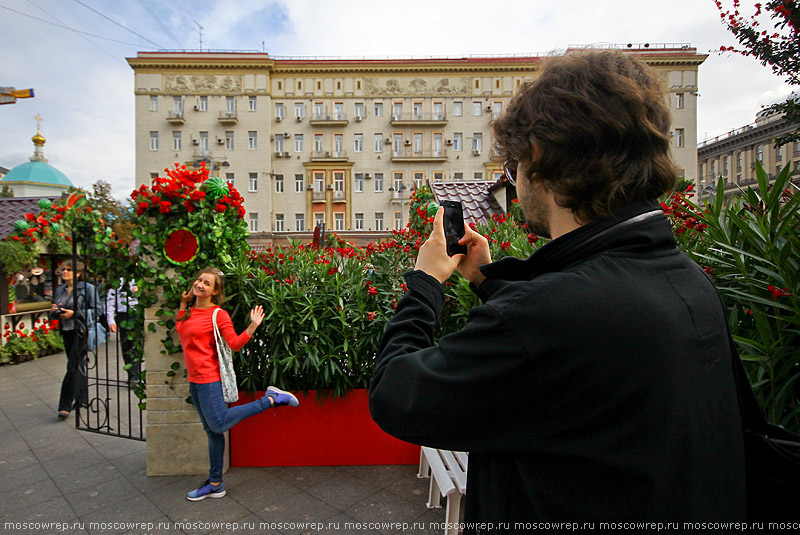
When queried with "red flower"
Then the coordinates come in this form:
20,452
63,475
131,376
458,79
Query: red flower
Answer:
333,271
372,315
372,290
777,292
505,245
164,207
533,238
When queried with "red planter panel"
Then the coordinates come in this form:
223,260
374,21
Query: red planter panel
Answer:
335,433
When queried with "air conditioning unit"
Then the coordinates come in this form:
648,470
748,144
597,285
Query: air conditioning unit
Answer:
329,187
327,154
309,186
279,155
285,154
299,119
286,135
358,118
279,119
476,152
196,107
489,108
272,137
367,176
387,141
397,117
408,143
449,141
195,142
220,141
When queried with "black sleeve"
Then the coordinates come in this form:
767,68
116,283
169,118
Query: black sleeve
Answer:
440,395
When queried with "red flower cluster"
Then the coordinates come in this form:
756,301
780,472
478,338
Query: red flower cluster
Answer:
681,213
777,292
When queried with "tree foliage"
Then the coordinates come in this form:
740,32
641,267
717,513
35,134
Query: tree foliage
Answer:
778,48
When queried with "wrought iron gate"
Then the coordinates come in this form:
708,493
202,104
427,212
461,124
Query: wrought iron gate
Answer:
110,382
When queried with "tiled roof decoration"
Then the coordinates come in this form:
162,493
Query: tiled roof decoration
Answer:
14,208
478,203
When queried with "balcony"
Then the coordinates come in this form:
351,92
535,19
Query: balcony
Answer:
419,119
338,196
407,154
318,196
228,117
317,156
329,119
176,117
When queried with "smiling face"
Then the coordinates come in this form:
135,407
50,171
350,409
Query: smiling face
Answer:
205,286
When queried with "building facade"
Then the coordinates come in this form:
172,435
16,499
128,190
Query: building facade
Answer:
344,142
733,155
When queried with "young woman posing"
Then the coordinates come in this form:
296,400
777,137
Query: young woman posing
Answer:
196,331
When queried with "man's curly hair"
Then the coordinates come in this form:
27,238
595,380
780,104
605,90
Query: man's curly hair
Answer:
602,124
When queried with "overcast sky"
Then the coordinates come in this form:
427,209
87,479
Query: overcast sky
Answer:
73,55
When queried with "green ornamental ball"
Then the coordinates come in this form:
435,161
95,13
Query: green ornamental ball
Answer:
20,224
215,188
45,204
432,209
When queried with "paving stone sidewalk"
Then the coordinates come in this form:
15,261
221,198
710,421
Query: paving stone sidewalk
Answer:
50,472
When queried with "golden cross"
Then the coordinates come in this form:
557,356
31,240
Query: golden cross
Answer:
38,120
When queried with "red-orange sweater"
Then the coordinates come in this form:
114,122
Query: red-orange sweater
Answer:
199,347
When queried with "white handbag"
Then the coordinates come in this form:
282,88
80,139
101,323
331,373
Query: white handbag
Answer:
230,391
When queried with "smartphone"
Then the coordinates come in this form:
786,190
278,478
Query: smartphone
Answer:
454,227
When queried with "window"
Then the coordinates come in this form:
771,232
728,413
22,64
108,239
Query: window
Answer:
398,220
418,180
398,182
278,142
253,182
204,141
378,109
679,139
298,142
417,109
278,183
338,221
497,109
176,141
458,141
252,104
760,153
203,103
379,221
458,109
177,103
378,182
252,140
476,108
417,142
299,183
153,140
153,103
153,176
338,181
299,110
279,223
797,147
358,142
319,182
279,111
438,111
478,175
358,183
725,167
378,142
477,142
229,178
458,176
397,146
300,222
359,109
338,144
714,169
437,144
319,110
253,222
338,111
359,221
229,139
230,104
778,154
679,100
318,142
398,111
738,161
319,219
438,176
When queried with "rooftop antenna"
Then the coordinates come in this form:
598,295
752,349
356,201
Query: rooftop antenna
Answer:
200,32
263,47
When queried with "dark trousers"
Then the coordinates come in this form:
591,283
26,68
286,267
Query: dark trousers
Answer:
128,348
75,383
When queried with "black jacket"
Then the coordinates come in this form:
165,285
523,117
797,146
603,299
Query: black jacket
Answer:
595,383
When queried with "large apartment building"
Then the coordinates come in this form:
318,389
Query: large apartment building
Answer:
733,155
344,141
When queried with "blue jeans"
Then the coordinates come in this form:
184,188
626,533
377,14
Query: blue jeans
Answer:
218,418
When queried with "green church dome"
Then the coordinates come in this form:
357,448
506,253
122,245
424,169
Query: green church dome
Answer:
37,173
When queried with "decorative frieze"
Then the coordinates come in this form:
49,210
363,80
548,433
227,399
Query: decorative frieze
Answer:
202,83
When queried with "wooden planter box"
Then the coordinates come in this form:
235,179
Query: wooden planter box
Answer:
335,433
